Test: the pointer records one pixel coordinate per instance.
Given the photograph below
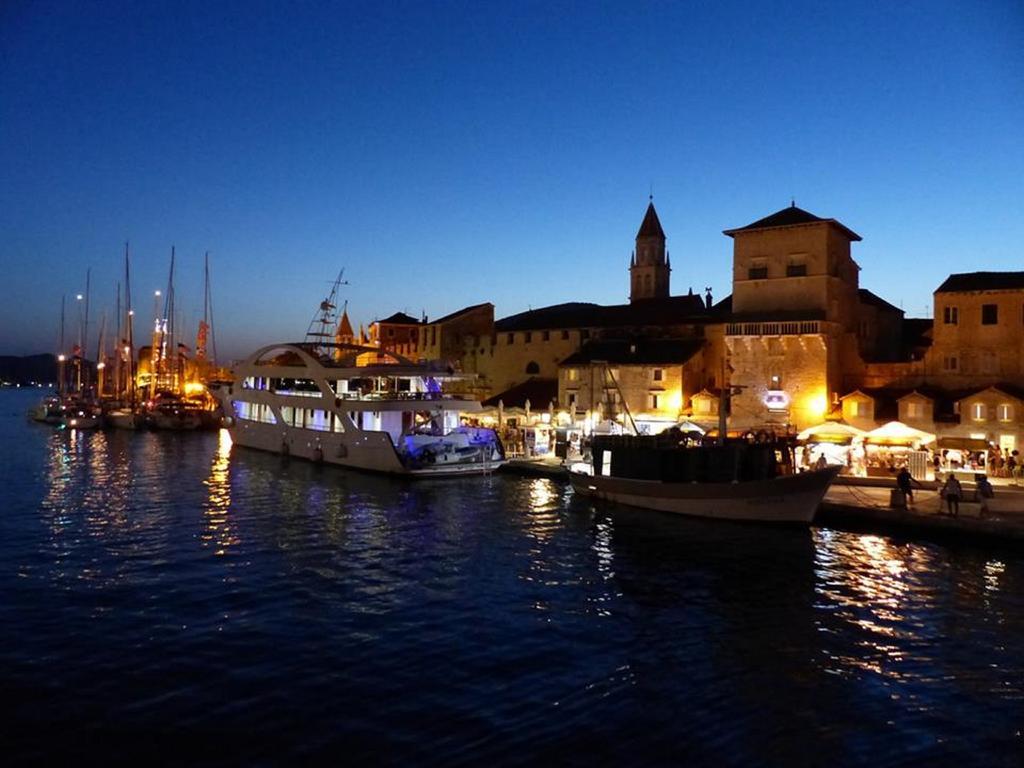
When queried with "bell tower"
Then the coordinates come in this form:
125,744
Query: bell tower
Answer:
649,266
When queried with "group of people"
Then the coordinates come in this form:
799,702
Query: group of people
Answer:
951,491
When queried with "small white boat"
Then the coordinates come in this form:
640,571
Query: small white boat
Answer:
81,414
732,482
48,411
356,406
124,418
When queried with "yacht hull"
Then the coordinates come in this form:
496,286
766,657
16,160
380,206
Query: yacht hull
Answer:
370,451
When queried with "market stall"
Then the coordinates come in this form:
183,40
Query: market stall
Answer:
966,457
895,445
837,441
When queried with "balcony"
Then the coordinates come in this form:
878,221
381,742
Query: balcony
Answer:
775,328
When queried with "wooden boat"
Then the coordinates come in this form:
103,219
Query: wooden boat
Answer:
733,481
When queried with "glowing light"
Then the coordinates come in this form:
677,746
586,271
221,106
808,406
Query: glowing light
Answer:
193,388
61,358
155,293
79,297
817,405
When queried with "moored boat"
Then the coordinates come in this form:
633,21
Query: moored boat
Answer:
356,406
737,480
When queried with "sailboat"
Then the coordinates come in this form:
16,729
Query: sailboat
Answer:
124,413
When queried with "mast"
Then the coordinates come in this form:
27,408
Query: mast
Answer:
61,378
118,387
321,328
85,328
130,348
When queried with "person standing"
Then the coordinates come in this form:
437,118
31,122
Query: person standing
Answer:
905,482
952,492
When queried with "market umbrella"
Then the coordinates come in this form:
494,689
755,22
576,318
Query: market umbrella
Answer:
896,432
527,411
501,413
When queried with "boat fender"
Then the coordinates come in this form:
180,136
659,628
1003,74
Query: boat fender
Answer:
228,422
285,449
318,454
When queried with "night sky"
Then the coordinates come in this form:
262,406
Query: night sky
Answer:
447,154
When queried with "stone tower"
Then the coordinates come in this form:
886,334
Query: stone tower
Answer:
649,267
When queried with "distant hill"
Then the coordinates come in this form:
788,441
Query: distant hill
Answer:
39,369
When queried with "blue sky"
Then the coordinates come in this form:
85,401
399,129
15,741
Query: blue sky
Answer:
446,154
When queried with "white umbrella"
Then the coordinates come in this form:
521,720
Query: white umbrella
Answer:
834,428
897,431
527,411
501,413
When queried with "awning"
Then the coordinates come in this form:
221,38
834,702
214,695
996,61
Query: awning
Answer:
964,443
838,432
898,433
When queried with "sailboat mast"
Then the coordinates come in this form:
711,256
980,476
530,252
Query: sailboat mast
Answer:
60,353
118,387
131,339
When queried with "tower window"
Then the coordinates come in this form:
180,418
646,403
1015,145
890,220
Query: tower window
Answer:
989,314
758,272
949,363
950,315
545,336
795,270
532,369
510,338
565,335
658,374
527,337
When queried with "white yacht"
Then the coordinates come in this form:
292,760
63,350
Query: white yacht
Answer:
356,406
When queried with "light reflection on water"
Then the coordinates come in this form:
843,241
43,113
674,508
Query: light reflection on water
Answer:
167,582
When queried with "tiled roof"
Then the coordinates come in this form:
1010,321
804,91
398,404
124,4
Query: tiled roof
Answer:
982,281
400,318
538,391
648,312
790,217
651,227
635,352
867,297
463,311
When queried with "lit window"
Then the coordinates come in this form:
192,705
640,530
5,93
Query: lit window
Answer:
915,410
979,412
1005,412
572,374
989,314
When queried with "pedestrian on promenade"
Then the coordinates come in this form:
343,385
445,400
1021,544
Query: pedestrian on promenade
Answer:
905,481
952,492
985,492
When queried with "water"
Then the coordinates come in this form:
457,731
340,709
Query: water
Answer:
168,599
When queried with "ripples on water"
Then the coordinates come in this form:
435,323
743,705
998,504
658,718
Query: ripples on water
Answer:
169,599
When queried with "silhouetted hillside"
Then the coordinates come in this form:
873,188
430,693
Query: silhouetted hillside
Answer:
40,369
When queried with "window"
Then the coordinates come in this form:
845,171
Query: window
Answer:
654,401
1005,412
510,338
757,273
570,398
532,369
949,363
391,333
528,337
584,334
658,374
775,381
572,374
950,315
915,410
989,361
989,314
796,270
546,336
565,335
979,412
859,408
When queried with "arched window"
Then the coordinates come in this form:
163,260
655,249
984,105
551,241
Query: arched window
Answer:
532,368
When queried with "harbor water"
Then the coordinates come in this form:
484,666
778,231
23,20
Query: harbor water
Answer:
169,599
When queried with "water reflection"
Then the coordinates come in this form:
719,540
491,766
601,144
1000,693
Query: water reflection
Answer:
217,529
